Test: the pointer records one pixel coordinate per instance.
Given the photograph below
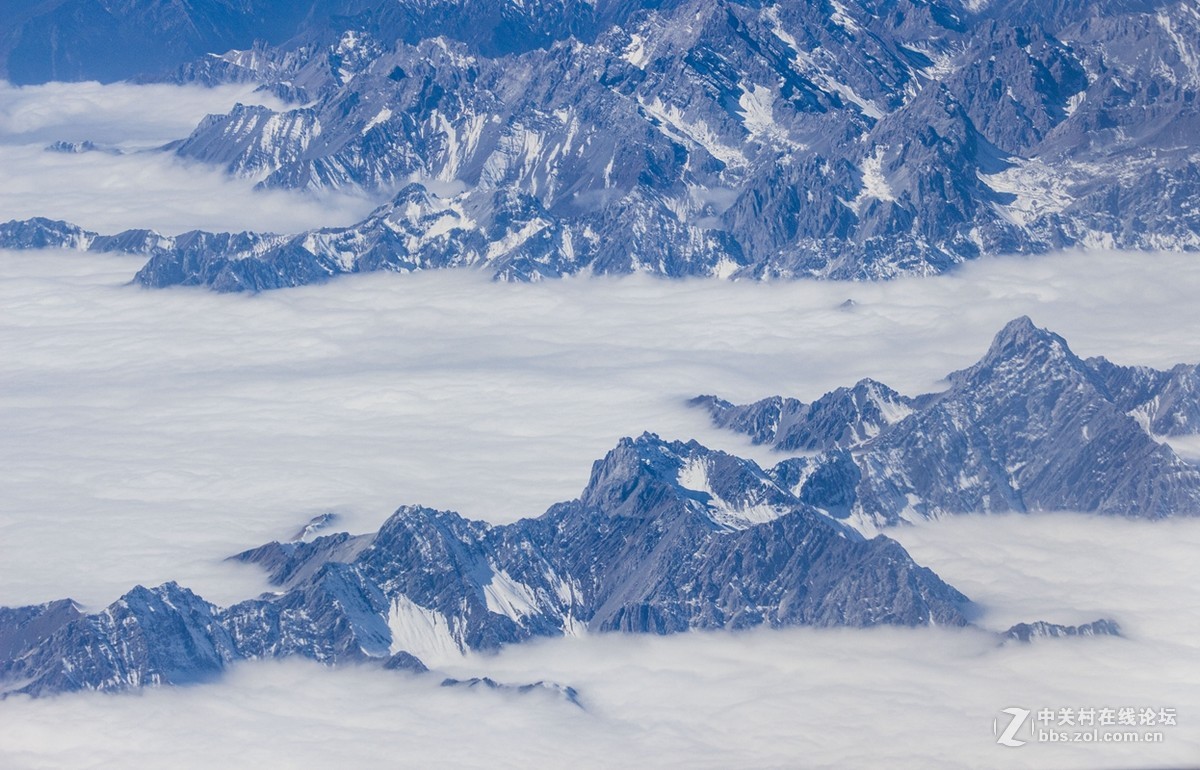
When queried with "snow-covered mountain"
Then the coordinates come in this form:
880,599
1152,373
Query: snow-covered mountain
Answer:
671,536
1031,426
855,139
666,537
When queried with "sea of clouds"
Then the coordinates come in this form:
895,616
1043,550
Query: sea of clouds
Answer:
150,434
129,182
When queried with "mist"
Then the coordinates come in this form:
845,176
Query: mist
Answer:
184,426
151,434
128,182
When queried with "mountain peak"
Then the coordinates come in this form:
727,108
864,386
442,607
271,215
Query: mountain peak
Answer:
633,471
1022,346
1020,331
649,477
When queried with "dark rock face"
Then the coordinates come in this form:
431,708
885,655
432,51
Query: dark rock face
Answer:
166,635
569,694
844,417
1028,632
22,628
692,138
403,661
666,537
1030,427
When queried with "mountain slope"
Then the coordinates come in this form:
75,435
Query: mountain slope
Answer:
846,140
1031,426
666,537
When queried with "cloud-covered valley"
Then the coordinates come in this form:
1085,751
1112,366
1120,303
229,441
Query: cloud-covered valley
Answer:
128,182
150,434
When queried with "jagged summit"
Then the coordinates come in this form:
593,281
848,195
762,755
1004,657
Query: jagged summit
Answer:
723,139
1021,334
841,418
1017,350
650,477
1031,426
664,539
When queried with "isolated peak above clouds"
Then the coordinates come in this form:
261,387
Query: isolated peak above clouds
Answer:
1030,426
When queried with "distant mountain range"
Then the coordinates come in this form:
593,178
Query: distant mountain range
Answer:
666,537
855,139
670,536
1031,426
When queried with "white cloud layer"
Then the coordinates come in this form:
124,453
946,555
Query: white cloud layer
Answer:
151,433
141,187
185,425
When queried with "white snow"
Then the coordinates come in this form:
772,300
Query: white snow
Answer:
694,476
758,111
1074,102
674,125
462,142
867,107
636,53
423,632
516,154
804,63
875,184
1185,46
508,597
893,411
945,63
842,17
381,116
1039,190
514,239
724,268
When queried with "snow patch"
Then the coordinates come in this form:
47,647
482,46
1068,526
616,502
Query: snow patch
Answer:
1074,102
892,411
380,117
1184,46
508,597
636,53
1039,190
424,632
875,184
841,17
694,476
674,125
513,240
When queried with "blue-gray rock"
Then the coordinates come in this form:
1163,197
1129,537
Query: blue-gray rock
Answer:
841,418
569,694
1027,632
1031,426
165,635
22,628
696,138
666,537
403,661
